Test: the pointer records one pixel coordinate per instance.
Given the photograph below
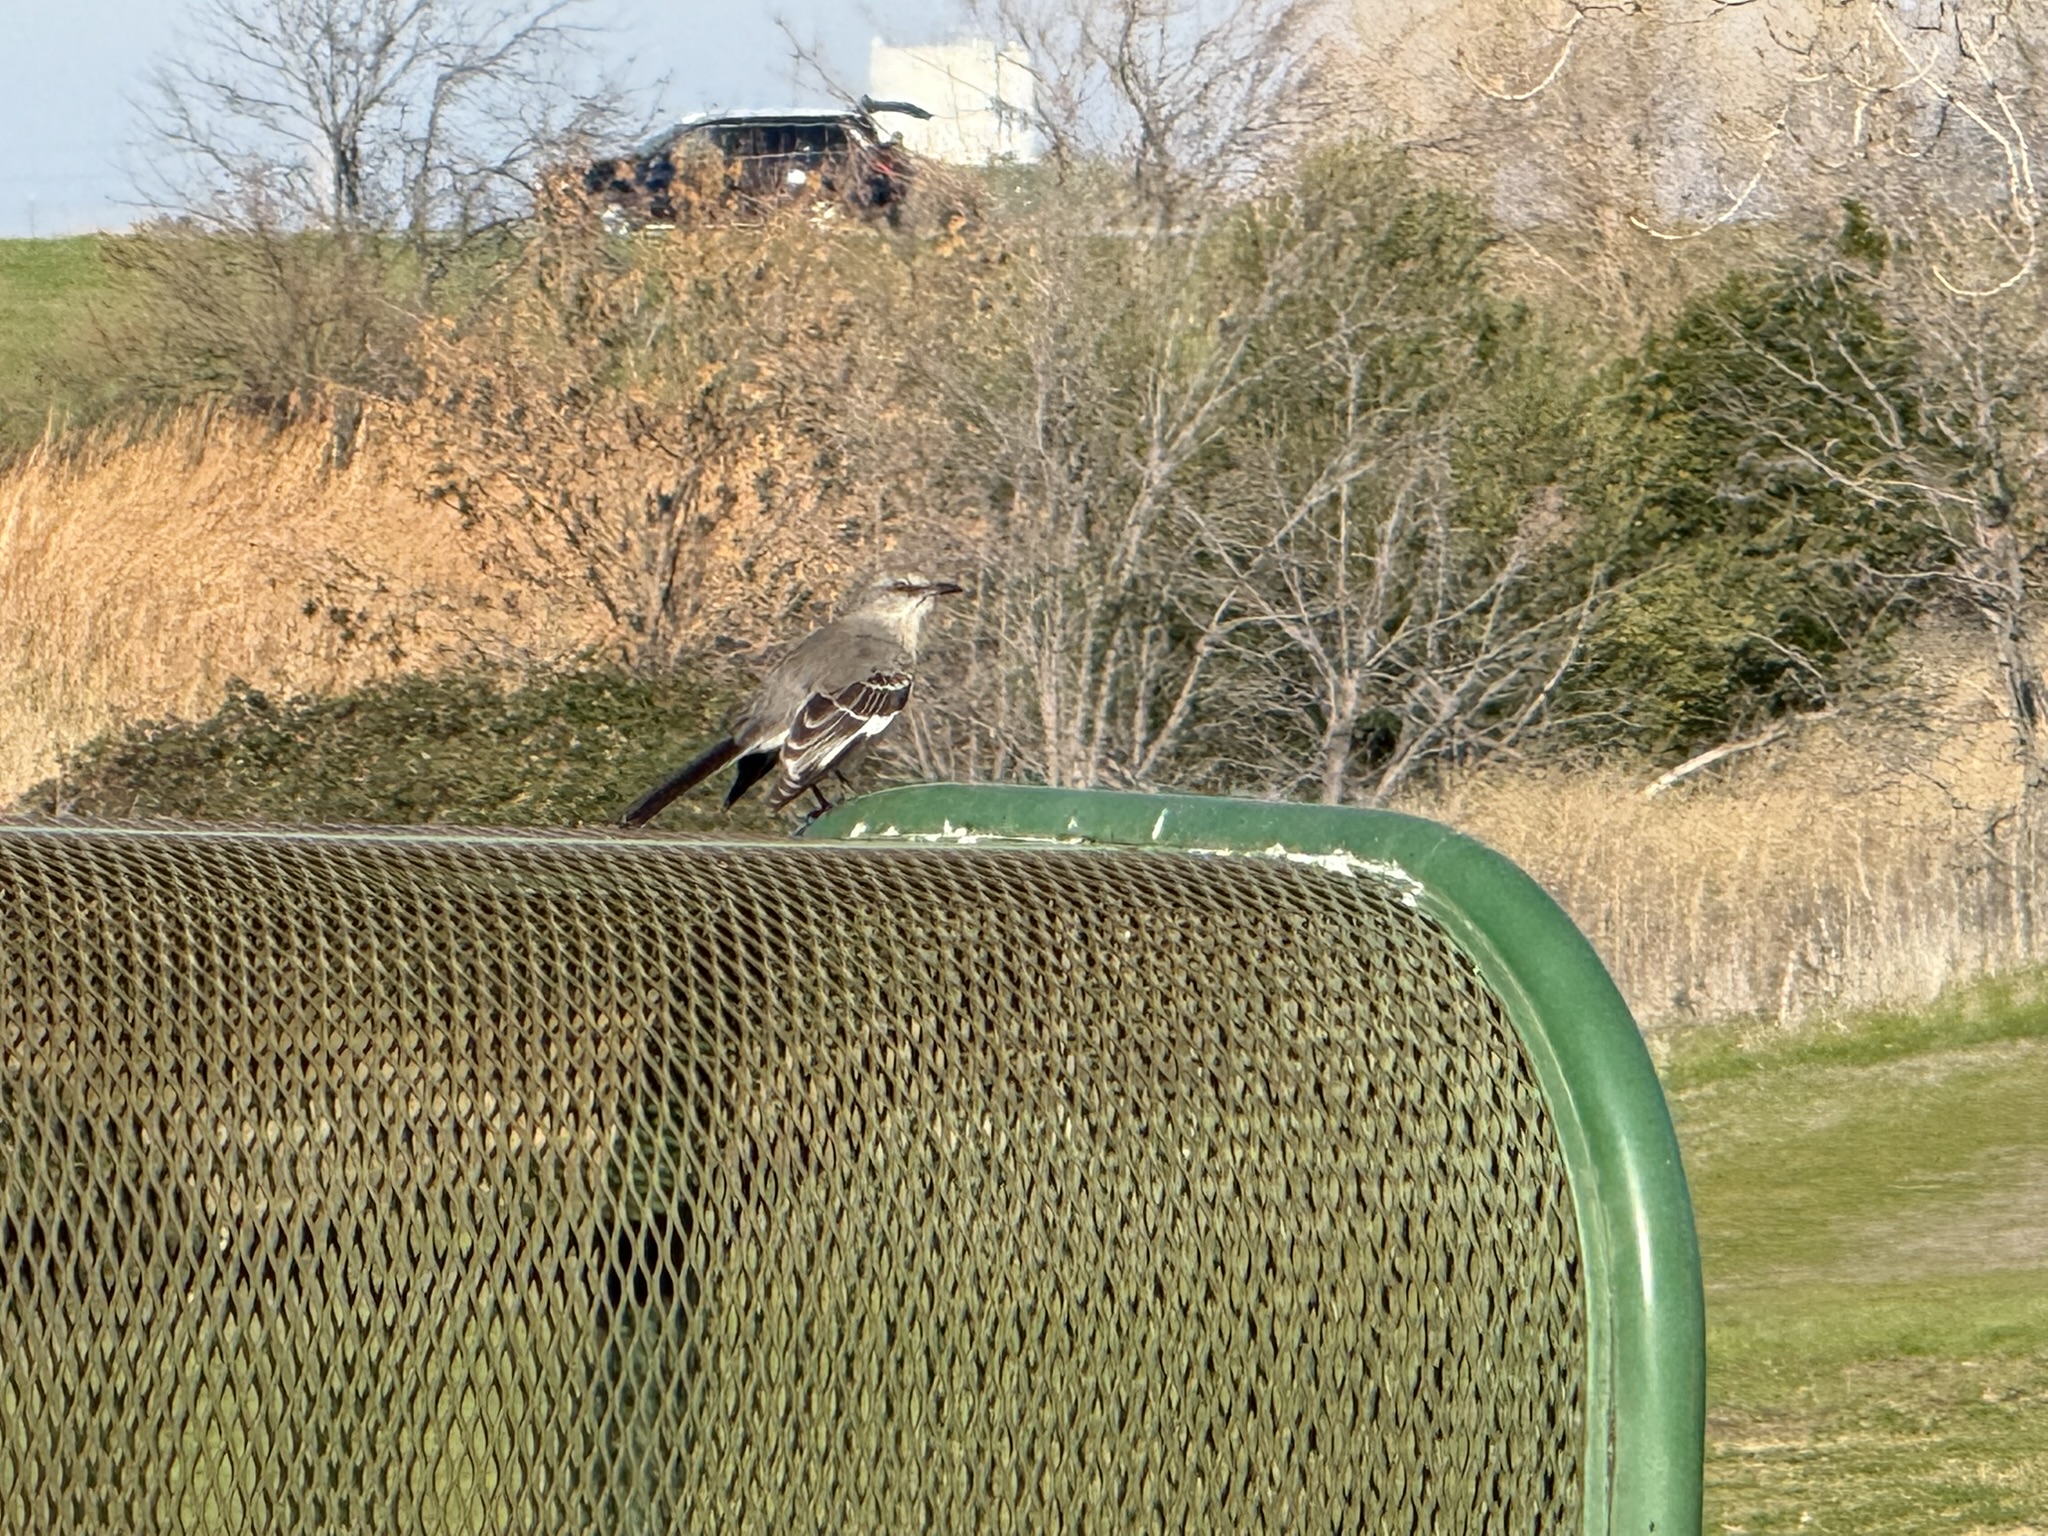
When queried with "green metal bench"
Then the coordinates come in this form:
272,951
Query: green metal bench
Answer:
987,1159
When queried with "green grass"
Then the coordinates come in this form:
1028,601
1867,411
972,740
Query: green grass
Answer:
1872,1200
102,328
41,285
47,292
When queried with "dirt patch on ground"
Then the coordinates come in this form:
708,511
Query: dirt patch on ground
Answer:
1998,1219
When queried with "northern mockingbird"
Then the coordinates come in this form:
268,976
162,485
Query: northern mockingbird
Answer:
821,706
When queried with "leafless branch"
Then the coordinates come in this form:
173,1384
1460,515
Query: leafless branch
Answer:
1499,92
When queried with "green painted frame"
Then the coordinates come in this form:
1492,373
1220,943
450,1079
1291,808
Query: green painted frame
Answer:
1646,1329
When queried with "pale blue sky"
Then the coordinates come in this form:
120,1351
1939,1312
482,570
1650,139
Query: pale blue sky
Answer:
69,69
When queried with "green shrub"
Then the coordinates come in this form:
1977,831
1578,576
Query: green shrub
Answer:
476,748
1774,501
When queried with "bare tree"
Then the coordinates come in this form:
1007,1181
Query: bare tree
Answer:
1224,543
372,115
1080,453
1181,95
1633,149
1982,482
1615,136
1390,620
1400,639
300,148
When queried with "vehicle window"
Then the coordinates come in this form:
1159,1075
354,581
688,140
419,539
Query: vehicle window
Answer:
807,143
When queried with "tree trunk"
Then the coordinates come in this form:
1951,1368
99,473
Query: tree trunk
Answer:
1337,740
2026,709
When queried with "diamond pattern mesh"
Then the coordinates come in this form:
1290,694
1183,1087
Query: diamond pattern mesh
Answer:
363,1183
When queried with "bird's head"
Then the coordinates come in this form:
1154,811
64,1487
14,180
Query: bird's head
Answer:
901,599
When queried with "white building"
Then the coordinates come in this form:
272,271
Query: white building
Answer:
979,94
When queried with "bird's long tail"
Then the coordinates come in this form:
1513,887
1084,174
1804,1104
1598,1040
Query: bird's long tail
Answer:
684,779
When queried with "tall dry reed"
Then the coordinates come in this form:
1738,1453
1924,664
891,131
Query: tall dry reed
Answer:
1867,861
138,579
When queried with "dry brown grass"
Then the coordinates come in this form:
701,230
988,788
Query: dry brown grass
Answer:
138,580
1860,864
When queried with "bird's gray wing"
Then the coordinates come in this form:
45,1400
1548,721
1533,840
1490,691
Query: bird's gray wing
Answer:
830,725
826,662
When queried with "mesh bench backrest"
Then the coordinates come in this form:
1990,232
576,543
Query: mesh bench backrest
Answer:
472,1184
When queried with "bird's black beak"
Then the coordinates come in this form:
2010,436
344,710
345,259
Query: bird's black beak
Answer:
945,589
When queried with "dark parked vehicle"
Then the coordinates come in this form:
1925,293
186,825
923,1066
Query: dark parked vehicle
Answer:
742,163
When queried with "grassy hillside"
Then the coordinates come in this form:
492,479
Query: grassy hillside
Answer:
45,290
41,284
1873,1211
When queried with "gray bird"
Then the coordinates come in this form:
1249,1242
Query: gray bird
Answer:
821,707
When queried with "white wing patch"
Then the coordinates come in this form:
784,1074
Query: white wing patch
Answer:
831,725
